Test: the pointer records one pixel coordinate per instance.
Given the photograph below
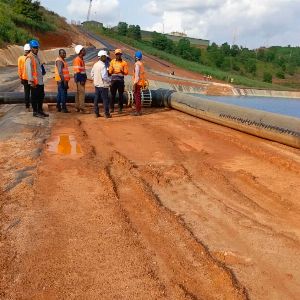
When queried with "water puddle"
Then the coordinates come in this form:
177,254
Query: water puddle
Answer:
64,144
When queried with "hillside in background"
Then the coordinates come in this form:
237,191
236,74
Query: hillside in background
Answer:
21,20
273,67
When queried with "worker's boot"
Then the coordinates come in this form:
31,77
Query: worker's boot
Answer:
38,115
136,113
43,114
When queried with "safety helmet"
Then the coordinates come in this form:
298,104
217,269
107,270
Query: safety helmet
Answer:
78,48
139,54
118,51
102,53
34,44
27,47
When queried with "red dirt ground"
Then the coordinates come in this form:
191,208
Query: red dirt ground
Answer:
165,206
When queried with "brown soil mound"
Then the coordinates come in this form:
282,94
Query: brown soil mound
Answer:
56,39
219,90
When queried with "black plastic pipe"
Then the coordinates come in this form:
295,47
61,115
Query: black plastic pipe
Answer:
275,127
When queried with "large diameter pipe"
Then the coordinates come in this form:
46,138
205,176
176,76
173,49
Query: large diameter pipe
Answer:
274,127
50,97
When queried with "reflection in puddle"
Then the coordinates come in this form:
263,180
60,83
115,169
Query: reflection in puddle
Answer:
65,144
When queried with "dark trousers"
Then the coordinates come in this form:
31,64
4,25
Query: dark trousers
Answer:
62,95
117,86
138,98
37,98
101,94
26,93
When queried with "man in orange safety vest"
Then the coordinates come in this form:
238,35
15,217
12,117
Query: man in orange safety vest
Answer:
62,77
118,68
139,81
23,76
35,72
80,78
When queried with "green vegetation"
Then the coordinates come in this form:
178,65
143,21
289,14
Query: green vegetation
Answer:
242,66
255,68
20,19
131,31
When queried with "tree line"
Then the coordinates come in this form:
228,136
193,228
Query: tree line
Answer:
159,41
19,19
281,61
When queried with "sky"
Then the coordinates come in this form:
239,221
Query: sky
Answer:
250,23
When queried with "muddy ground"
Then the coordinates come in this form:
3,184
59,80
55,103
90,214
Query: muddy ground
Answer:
163,206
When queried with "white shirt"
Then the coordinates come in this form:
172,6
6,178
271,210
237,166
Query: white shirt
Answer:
100,75
137,73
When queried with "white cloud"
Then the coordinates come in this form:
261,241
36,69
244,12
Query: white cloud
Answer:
153,8
102,10
249,22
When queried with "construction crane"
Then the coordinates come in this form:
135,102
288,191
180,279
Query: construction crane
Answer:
89,11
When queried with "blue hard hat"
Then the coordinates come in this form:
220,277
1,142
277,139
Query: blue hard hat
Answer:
139,54
34,44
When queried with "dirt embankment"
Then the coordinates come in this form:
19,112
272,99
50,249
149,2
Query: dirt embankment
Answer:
50,43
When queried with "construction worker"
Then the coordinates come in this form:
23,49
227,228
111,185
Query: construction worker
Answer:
35,79
23,76
80,78
62,77
139,81
118,68
101,82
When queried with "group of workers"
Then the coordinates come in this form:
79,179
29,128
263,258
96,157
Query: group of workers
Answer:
106,75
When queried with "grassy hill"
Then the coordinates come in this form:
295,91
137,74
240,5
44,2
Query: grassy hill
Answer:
272,68
21,20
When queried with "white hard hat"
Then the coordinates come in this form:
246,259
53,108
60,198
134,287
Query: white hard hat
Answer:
78,48
102,53
27,47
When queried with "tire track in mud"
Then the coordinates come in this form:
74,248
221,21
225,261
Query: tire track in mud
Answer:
166,180
75,241
234,209
184,263
261,148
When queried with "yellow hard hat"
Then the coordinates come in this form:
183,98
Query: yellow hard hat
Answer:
118,51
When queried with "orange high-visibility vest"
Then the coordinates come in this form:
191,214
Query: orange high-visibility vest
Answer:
65,70
142,79
79,65
34,68
22,67
118,67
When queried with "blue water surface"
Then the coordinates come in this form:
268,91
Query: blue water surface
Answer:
283,106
